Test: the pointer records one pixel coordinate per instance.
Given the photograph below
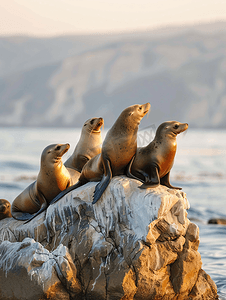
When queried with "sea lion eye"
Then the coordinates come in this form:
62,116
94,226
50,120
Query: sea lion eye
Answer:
57,148
176,126
140,107
91,122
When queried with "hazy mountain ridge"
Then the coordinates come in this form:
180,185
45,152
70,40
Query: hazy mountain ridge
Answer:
181,72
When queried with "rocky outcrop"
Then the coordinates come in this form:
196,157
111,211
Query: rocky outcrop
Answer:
132,244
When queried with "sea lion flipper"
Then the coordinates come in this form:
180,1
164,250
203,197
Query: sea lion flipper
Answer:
21,216
58,197
66,191
152,179
43,207
138,173
26,216
102,185
128,169
165,181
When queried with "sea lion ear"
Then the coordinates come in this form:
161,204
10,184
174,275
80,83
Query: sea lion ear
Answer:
131,113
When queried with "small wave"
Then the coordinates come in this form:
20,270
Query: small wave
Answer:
217,214
203,152
9,186
221,290
18,165
25,178
202,176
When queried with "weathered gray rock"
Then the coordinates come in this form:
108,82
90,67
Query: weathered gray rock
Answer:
132,244
29,271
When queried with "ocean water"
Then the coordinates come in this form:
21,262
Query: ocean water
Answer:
199,168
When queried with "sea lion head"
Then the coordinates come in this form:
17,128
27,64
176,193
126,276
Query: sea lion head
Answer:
5,209
54,152
93,125
171,128
133,114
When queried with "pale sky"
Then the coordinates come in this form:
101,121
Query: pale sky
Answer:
61,17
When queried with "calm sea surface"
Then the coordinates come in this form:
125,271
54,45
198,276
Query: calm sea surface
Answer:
199,168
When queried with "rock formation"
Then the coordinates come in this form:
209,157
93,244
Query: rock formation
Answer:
132,244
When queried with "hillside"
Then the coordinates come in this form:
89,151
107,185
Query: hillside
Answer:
63,81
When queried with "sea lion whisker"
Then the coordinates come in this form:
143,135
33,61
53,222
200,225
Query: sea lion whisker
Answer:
147,113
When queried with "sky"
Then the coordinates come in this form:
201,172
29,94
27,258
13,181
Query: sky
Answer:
62,17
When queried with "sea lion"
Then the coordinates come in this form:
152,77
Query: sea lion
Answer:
5,209
118,149
152,164
88,146
53,178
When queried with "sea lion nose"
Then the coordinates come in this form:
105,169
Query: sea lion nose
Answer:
2,208
146,107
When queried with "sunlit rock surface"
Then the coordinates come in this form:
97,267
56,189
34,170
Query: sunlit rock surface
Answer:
132,244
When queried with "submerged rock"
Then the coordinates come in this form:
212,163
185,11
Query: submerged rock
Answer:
132,244
217,221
